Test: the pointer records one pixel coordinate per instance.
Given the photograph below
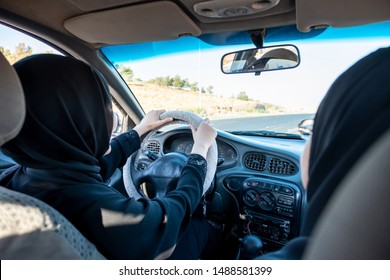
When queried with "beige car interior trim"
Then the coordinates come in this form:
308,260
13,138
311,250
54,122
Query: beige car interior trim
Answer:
12,105
93,5
336,13
157,21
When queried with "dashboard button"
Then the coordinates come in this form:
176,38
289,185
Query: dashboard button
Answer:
287,190
253,183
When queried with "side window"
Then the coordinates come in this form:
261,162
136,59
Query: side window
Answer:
16,45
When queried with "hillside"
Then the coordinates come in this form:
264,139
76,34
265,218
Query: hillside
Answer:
159,97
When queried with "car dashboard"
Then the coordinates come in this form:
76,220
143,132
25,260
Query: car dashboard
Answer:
257,187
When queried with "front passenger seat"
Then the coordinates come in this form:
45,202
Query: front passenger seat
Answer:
29,228
355,224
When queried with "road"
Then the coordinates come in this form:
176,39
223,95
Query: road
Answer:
280,123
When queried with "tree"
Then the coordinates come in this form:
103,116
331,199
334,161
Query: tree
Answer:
168,81
210,89
6,53
243,96
126,73
21,51
177,82
185,83
194,86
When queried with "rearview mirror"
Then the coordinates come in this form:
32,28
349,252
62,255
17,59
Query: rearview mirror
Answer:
261,59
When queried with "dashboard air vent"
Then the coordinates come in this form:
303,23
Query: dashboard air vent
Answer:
282,166
153,146
255,161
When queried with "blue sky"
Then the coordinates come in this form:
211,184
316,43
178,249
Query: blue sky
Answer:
11,38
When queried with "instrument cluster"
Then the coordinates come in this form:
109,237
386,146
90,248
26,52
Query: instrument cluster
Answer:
227,154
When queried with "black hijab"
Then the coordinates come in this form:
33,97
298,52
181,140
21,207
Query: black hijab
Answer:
67,131
354,113
68,122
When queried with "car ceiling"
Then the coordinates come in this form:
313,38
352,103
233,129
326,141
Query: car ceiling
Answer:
103,22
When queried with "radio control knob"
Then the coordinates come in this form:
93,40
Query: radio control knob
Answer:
251,197
267,201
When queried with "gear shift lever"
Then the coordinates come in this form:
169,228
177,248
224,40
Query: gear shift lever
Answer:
250,247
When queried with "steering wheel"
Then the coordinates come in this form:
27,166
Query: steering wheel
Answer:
162,174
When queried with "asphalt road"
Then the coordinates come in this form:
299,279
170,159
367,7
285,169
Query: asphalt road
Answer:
280,123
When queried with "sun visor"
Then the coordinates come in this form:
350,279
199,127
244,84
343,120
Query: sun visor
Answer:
157,21
336,13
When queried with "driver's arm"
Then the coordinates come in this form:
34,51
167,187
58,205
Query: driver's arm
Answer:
127,143
121,147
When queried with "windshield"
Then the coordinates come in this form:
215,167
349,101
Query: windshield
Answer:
185,74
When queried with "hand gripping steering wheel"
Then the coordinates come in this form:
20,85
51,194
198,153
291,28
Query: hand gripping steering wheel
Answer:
161,175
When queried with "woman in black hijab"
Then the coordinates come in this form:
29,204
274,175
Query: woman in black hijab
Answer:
66,132
352,116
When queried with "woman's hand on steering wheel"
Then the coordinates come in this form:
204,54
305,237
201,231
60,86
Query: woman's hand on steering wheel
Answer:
151,121
165,166
204,136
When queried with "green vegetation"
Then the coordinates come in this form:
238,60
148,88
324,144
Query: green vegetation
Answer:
243,96
126,73
20,51
174,82
210,89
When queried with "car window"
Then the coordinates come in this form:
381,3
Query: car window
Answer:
16,45
186,74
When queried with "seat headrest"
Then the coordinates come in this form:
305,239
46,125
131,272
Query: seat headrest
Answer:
12,104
